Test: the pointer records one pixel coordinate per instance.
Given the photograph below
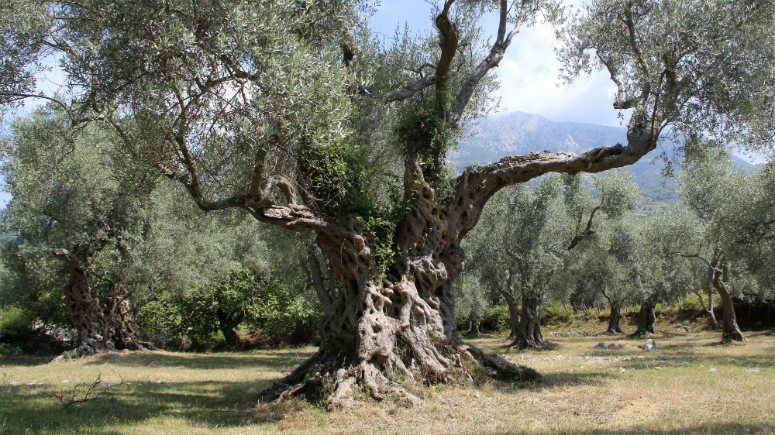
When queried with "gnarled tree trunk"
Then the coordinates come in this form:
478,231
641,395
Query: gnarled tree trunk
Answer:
402,324
530,336
122,329
613,321
720,281
647,318
101,325
83,308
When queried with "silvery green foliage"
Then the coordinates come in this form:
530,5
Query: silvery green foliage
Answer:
74,190
735,211
524,229
700,67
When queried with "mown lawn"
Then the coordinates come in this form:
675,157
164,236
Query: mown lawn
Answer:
584,390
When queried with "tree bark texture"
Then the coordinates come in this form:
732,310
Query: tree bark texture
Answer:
613,321
729,327
647,318
530,336
101,326
400,325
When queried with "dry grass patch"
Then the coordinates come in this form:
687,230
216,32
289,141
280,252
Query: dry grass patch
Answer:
584,390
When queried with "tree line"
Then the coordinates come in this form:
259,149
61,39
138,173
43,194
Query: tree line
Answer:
579,240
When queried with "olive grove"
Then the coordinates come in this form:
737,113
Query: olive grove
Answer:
292,112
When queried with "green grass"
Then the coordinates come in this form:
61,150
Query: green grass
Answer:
584,390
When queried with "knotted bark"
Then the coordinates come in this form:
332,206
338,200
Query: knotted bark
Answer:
647,318
614,320
101,325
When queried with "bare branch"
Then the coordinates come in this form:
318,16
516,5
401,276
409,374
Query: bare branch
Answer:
492,60
586,233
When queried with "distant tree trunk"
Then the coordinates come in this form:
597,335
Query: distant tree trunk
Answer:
511,302
577,299
613,322
720,281
227,322
530,336
122,328
474,325
647,318
616,315
712,322
101,326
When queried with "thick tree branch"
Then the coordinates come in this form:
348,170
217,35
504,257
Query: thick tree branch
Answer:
478,183
448,40
492,60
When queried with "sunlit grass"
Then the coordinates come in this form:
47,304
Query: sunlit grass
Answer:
584,390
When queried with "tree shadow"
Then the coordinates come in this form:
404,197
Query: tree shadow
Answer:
26,361
213,404
146,359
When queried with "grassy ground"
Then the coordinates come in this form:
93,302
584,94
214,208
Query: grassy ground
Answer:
584,390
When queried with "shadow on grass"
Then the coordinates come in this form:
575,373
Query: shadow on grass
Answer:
272,359
215,404
27,361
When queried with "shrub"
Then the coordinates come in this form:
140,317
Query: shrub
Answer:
16,328
497,318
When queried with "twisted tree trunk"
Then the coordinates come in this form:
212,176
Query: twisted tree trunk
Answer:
511,302
83,308
613,321
122,329
647,318
720,281
402,324
101,325
530,336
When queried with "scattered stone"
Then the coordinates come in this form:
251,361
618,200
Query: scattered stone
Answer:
162,381
600,346
753,371
613,346
658,368
33,393
712,371
14,384
476,395
65,381
650,344
147,381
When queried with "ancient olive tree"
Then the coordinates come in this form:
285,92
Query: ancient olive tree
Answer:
607,261
71,203
291,111
518,247
735,210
